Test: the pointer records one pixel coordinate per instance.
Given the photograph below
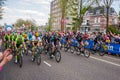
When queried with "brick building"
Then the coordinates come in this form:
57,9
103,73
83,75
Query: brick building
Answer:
94,20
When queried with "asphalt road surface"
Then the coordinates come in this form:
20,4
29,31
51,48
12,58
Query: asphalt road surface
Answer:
71,67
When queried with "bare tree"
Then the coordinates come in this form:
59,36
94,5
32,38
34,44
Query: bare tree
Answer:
107,4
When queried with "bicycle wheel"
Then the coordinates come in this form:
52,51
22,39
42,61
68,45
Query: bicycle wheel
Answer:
58,56
40,50
61,46
78,51
86,53
101,51
72,48
66,49
20,61
38,59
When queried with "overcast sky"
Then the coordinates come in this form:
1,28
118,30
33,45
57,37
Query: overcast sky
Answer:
37,10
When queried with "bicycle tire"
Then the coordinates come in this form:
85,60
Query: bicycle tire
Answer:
72,49
57,53
86,53
78,51
101,53
38,59
20,61
65,49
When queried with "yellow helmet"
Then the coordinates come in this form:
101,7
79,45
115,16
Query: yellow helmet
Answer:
25,36
36,34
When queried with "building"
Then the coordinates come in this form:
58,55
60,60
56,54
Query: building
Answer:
94,20
55,13
72,10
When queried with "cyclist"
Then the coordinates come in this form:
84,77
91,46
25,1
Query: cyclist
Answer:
40,40
19,42
11,40
7,39
46,40
98,40
35,41
54,42
67,36
79,38
25,37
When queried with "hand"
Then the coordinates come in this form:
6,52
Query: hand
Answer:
1,56
7,52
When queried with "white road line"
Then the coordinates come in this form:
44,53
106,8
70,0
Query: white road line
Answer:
105,61
112,58
47,63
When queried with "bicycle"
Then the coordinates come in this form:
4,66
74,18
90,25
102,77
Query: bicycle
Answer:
29,48
67,47
100,49
82,50
37,55
20,56
56,53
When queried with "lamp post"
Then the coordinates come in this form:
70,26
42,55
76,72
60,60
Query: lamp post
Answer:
87,24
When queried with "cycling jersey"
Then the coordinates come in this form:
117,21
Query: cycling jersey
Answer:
30,36
7,37
55,40
33,38
14,38
11,37
19,40
79,38
47,38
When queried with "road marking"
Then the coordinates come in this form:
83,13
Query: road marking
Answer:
105,61
47,63
112,58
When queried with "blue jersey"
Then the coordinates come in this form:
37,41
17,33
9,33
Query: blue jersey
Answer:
30,36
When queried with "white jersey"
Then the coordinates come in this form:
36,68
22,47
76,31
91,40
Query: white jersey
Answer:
36,39
33,38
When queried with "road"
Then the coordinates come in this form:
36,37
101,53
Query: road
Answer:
71,67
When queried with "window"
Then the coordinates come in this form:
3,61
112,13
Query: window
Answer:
87,22
88,29
113,21
98,20
97,12
97,28
95,20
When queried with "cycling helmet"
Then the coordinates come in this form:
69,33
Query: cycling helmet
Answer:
36,34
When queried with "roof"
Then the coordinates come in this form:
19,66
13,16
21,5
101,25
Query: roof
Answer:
101,10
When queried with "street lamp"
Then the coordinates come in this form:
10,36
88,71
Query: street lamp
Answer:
87,24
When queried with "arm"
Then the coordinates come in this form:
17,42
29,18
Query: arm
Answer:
23,43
